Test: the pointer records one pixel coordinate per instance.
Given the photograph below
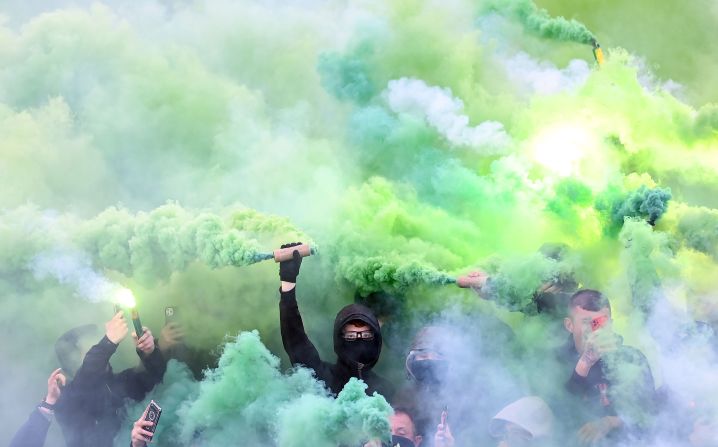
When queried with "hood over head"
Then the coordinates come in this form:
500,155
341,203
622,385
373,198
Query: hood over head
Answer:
360,313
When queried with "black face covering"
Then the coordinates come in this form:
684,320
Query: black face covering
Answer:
361,351
400,441
429,372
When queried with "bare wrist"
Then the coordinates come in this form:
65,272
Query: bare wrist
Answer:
583,367
287,286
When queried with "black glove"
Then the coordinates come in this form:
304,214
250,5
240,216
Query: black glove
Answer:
289,270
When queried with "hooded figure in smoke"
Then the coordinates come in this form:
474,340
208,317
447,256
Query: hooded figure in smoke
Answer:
357,338
91,407
427,369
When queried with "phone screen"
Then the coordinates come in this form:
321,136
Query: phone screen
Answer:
153,415
170,314
598,322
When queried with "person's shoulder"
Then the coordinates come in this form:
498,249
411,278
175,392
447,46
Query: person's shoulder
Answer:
631,354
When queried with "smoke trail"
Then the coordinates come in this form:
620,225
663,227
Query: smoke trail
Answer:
539,22
377,273
75,270
444,112
514,281
151,246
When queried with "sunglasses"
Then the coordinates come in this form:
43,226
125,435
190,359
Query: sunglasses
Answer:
358,335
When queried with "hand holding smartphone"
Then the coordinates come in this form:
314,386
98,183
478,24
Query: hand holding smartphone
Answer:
152,414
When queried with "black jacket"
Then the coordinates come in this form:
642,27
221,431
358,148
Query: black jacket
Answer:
33,432
92,406
301,351
620,384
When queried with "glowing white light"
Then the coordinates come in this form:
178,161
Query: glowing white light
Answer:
561,148
125,298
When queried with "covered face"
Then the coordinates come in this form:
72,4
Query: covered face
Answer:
357,336
426,362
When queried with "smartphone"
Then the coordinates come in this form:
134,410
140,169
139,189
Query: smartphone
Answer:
598,322
153,415
117,308
170,314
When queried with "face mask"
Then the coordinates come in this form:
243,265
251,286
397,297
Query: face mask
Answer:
400,441
361,351
430,372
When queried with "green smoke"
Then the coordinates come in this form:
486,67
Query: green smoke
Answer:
698,228
539,22
645,203
247,397
647,257
132,136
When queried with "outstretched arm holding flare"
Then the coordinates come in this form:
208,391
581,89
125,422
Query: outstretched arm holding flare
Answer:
294,338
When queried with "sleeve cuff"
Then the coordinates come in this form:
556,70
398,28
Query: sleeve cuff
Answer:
106,343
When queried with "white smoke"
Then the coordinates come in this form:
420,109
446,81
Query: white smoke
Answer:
74,269
544,78
444,112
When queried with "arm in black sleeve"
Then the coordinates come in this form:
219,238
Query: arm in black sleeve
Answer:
577,384
296,343
135,383
33,432
96,361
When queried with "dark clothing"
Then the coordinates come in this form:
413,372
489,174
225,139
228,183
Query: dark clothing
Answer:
92,406
460,368
301,351
33,432
619,384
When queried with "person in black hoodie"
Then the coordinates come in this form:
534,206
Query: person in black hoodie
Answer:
92,405
612,383
357,338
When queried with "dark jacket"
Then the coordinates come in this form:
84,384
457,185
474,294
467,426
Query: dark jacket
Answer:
33,432
92,406
620,384
301,351
465,373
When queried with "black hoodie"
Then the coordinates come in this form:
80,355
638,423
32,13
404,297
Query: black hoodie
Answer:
301,351
92,406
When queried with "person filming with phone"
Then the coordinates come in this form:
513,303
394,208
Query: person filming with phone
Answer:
611,383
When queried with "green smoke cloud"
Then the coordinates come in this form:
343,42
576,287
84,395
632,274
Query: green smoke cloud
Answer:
112,117
539,22
645,203
247,397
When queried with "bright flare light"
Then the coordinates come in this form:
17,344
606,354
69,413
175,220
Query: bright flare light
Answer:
125,298
561,148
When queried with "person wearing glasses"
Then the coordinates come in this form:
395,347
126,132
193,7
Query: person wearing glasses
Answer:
357,338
